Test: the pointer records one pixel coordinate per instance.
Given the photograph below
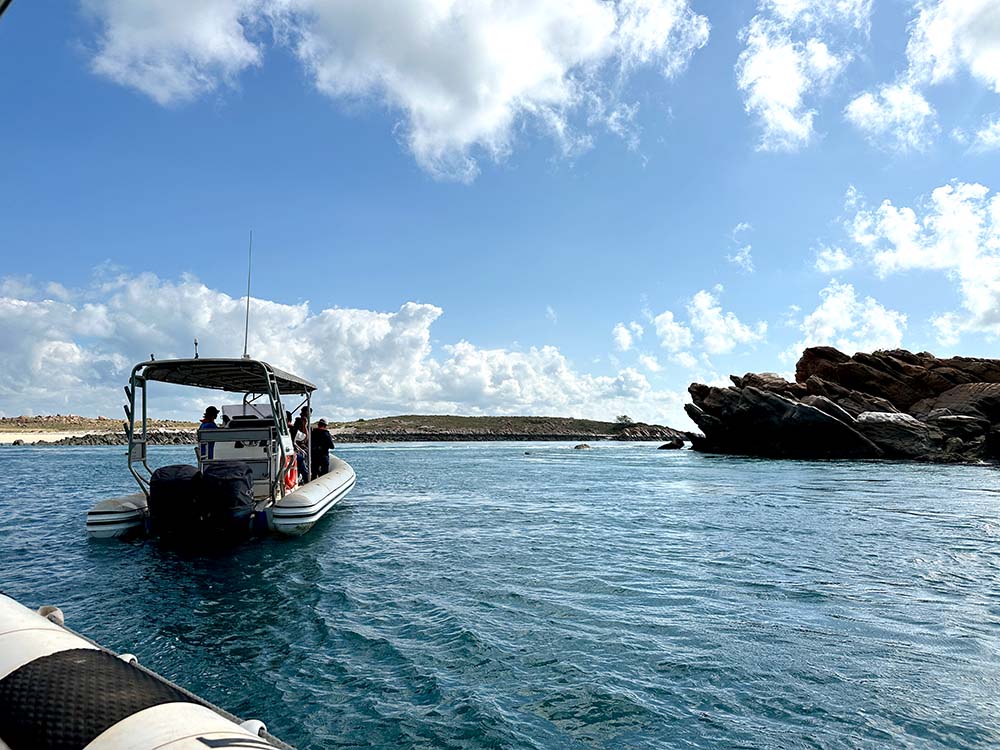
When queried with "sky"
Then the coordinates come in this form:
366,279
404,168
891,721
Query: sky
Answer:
570,208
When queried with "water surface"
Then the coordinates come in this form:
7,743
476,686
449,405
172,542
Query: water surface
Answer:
467,595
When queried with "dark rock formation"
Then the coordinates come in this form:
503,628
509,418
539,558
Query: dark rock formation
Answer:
672,445
893,404
160,437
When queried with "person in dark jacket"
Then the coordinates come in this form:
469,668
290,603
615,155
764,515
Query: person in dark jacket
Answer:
322,444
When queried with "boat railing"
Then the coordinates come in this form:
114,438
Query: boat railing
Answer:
256,446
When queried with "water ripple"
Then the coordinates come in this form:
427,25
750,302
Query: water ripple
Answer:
472,596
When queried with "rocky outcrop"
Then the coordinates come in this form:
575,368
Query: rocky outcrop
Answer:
892,404
752,421
160,437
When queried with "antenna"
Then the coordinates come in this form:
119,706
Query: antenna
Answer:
246,330
196,348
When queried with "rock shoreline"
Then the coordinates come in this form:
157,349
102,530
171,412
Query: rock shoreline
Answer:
889,404
637,432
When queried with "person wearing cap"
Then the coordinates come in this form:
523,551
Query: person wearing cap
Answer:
207,450
322,444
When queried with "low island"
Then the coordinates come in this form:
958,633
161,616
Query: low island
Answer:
74,430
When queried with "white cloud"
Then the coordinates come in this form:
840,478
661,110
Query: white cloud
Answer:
743,226
788,60
622,337
709,329
650,362
946,37
849,323
550,313
174,50
832,260
949,36
720,331
897,115
464,74
625,335
74,357
674,336
987,138
742,258
854,13
956,232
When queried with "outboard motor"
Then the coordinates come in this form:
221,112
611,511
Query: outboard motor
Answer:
184,502
227,495
173,499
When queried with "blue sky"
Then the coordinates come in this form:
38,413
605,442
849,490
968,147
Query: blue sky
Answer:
493,207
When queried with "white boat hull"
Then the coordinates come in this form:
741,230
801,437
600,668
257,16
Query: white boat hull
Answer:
117,517
293,515
298,511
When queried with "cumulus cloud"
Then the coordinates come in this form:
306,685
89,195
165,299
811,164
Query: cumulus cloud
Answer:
709,329
174,50
650,362
832,260
896,115
987,138
949,36
720,331
74,356
793,51
625,336
848,322
674,336
957,232
463,74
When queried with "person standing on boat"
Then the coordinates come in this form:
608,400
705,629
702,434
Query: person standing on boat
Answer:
300,436
299,430
322,444
207,450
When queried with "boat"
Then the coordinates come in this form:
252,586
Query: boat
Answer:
59,689
246,478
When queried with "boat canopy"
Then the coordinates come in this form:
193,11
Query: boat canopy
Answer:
233,375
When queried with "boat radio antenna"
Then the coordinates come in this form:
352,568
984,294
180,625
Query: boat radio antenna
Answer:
246,329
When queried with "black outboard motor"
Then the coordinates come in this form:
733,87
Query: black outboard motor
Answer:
173,499
187,503
227,495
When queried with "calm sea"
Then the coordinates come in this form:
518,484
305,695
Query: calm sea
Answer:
473,596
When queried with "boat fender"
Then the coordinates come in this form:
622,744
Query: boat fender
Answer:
52,614
254,726
129,658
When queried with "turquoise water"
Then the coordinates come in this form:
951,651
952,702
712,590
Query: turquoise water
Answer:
472,596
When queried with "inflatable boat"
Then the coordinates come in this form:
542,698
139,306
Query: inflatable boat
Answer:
59,690
247,475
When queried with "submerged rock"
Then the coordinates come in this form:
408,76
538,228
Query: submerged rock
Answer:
581,447
893,404
672,445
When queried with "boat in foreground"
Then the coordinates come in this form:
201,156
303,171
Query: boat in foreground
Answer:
246,478
59,689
